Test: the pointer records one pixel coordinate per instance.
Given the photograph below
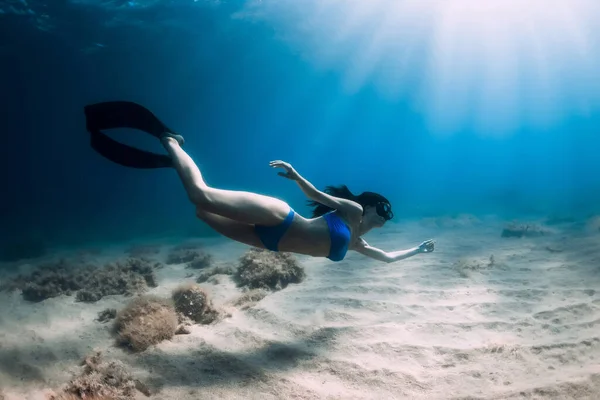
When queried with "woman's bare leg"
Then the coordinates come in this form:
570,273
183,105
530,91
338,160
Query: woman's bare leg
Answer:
246,207
234,230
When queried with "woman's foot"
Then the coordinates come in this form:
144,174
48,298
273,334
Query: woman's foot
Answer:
170,143
174,136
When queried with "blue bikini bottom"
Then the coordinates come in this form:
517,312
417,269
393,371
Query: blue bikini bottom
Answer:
271,235
339,234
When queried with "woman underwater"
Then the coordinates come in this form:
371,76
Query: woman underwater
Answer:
339,219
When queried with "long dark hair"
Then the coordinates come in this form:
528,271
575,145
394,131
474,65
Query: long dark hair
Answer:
383,205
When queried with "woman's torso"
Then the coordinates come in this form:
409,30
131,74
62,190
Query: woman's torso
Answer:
311,236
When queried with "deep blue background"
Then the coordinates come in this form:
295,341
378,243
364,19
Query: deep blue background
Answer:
242,93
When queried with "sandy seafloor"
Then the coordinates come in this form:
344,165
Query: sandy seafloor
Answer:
429,327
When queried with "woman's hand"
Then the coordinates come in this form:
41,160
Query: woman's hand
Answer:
289,173
427,246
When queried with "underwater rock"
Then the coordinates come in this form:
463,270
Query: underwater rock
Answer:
266,269
193,302
523,230
106,315
145,321
88,296
126,277
51,280
90,283
101,380
183,330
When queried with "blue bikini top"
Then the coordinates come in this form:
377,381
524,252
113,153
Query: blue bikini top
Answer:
340,235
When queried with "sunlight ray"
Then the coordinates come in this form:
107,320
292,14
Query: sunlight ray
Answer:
491,65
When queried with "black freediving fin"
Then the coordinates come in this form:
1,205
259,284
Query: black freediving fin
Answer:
125,155
125,114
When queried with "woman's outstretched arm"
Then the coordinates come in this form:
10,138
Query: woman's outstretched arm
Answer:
349,208
362,247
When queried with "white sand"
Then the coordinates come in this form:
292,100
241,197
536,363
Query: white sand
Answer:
430,327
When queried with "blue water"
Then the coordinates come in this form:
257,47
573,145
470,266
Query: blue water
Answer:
441,107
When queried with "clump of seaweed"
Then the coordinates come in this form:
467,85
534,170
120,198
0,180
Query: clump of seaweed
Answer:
193,302
265,269
194,257
101,380
50,280
204,260
250,298
90,283
147,320
223,269
127,277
